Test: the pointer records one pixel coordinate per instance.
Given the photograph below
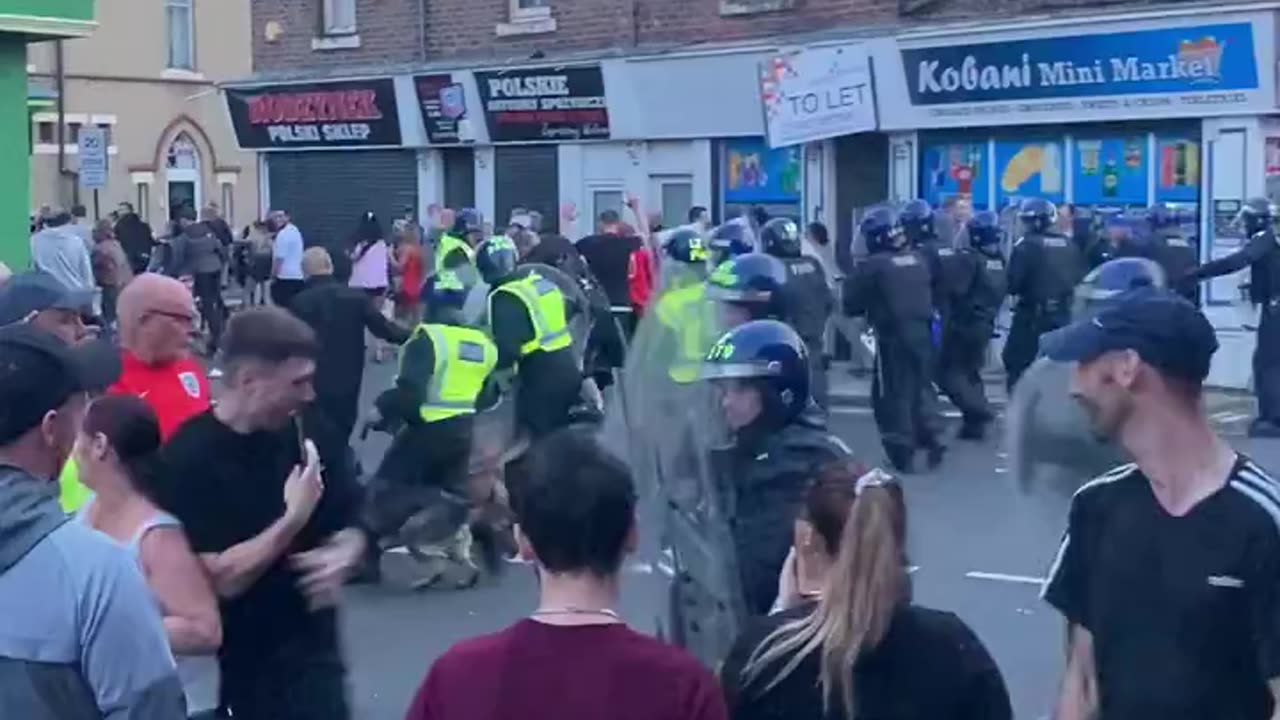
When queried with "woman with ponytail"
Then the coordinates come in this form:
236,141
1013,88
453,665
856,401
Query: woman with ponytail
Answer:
115,451
845,641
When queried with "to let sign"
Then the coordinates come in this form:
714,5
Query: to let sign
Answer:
544,104
817,94
93,158
350,113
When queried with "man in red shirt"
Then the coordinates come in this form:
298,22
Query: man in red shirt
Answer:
573,657
156,316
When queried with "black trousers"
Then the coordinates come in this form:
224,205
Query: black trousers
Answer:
425,468
293,682
1266,363
283,291
818,373
1023,344
964,351
208,289
905,416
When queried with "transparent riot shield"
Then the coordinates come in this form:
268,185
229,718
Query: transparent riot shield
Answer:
669,428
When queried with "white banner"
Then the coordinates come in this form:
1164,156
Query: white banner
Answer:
817,94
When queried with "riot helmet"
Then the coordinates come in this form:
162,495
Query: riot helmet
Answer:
1257,215
730,240
1037,215
752,283
686,246
446,294
1112,279
781,238
496,259
985,233
880,229
771,358
917,222
1160,215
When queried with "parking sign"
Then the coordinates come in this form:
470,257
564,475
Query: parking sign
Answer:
93,158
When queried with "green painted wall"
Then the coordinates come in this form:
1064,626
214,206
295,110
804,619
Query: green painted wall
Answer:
15,160
70,9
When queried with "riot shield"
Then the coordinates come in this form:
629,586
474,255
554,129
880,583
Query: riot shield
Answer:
671,432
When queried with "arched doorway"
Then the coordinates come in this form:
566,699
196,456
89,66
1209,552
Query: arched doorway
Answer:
182,174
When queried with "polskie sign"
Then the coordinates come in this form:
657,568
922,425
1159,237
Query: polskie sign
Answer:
544,104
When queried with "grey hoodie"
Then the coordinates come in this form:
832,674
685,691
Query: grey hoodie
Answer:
80,636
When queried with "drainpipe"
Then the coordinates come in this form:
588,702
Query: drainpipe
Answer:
60,80
422,30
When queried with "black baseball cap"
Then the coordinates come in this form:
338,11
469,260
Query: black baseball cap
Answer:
33,291
39,373
1166,331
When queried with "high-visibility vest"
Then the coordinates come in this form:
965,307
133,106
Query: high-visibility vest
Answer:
72,494
464,357
545,303
685,312
449,243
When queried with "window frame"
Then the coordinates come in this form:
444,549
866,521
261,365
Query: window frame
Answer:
189,6
525,14
328,28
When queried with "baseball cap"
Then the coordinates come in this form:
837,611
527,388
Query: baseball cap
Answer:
39,372
31,292
1166,331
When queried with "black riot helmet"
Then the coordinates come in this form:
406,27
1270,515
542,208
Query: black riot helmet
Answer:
497,258
1160,215
686,246
880,229
772,355
446,295
1037,215
917,222
985,233
781,238
1258,214
753,281
730,240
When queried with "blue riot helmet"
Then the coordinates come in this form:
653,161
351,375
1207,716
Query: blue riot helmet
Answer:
730,240
1160,215
446,295
1037,215
1257,215
780,237
916,218
496,259
751,282
985,233
771,357
687,247
1112,279
880,229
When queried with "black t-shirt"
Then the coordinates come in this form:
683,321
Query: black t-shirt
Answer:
1184,610
226,488
929,666
609,257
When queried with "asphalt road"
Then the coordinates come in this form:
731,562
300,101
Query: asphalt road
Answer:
981,546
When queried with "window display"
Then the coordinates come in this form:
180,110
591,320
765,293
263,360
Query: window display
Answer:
956,170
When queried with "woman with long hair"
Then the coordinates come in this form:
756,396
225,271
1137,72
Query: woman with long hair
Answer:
846,642
114,453
371,267
410,263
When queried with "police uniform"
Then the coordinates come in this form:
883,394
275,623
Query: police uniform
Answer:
452,252
1176,254
976,285
1043,271
807,297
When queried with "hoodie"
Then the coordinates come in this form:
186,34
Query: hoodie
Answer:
80,635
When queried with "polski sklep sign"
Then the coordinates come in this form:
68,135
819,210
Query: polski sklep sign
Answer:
544,104
348,113
1191,70
817,94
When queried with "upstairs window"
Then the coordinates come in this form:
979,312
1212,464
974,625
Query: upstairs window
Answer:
180,18
338,17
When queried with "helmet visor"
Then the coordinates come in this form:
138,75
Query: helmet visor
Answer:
737,370
725,294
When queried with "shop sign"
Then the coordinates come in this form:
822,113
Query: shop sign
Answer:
349,113
817,94
544,104
443,103
1193,70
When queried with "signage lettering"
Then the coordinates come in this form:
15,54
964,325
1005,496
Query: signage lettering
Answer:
338,114
817,94
524,105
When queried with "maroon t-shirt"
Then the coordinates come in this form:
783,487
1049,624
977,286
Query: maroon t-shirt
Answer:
535,671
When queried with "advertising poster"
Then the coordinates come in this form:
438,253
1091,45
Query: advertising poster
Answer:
544,104
755,174
349,113
817,94
443,104
956,170
1029,168
1177,169
1111,170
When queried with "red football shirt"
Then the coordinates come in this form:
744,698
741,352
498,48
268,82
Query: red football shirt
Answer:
177,391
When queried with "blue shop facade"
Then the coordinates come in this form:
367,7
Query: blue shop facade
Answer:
1105,114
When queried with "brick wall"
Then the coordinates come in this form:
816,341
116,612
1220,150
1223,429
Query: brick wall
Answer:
388,31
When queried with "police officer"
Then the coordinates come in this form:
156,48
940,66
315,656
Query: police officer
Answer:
808,296
455,247
1044,268
762,376
1175,253
527,319
683,309
1261,257
444,371
730,240
749,287
893,289
974,279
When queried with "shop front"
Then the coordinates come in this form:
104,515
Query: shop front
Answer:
1106,116
329,152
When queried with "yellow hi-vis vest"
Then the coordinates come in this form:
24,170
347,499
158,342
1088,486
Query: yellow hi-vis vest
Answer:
545,304
449,243
72,493
464,357
685,313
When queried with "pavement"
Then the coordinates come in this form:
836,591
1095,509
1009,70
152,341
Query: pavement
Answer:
980,543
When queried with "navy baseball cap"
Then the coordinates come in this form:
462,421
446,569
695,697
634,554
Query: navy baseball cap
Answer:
31,292
1166,331
39,373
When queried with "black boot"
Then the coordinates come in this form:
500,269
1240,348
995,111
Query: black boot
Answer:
902,459
973,430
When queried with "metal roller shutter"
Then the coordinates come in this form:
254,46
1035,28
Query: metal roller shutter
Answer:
326,192
526,176
459,177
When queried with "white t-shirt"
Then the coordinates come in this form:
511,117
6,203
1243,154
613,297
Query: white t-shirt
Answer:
288,250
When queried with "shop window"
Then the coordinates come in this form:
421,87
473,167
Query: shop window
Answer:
180,19
677,200
338,17
47,133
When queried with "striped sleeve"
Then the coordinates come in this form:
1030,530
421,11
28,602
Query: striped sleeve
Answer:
1263,581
